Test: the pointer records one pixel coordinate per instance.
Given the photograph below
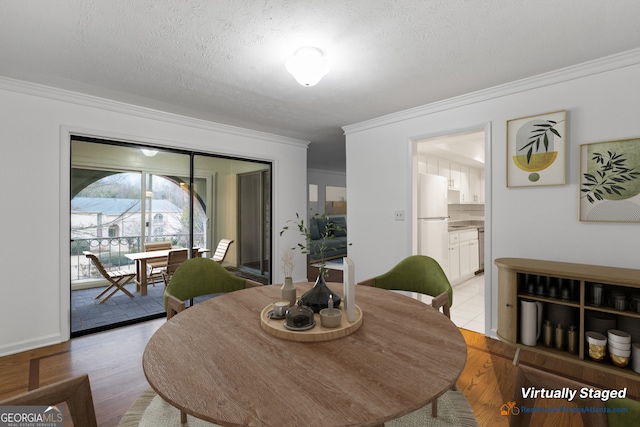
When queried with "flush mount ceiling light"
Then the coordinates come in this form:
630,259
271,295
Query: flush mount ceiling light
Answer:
308,66
149,153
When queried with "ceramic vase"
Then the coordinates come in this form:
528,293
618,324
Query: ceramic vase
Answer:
317,297
288,291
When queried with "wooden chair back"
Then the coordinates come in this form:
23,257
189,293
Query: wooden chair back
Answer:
156,265
221,250
76,392
98,264
174,259
156,246
442,302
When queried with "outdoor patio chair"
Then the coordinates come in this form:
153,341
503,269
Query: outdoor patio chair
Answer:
221,250
156,265
422,274
174,259
117,279
76,392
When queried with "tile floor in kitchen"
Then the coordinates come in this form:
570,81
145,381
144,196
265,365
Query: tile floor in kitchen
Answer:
468,303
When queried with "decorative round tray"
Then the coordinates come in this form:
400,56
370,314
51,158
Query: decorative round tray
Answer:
318,333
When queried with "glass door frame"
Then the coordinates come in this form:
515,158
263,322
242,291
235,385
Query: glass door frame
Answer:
211,180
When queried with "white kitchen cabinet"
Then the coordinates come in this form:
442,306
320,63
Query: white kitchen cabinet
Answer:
454,257
465,267
468,181
464,256
454,171
444,170
474,256
451,171
475,186
465,190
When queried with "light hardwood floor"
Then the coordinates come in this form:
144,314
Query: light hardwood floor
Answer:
113,361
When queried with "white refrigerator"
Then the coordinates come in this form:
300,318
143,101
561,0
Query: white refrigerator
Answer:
433,219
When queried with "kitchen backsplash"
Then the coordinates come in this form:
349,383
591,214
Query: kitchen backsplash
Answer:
466,212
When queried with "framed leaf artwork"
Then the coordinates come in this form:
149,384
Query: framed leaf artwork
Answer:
536,150
610,181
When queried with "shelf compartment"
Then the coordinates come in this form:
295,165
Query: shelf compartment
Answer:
519,278
569,303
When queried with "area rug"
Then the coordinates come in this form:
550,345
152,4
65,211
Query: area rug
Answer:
149,410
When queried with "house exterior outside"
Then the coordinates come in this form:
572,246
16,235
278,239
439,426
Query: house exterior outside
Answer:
93,217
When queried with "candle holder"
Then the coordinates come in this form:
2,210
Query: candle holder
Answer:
330,317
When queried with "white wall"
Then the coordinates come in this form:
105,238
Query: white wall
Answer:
36,122
324,178
602,103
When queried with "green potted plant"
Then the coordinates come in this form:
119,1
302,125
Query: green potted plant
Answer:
317,297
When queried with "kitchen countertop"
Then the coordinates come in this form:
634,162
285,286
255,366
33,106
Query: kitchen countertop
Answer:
462,225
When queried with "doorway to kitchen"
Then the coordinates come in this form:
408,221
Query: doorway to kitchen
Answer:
457,161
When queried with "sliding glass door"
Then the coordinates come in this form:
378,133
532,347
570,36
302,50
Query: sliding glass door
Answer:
124,196
254,205
240,211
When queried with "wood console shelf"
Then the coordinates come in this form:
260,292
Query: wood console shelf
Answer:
565,289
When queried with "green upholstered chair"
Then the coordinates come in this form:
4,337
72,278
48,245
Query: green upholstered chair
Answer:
197,277
619,417
417,273
422,274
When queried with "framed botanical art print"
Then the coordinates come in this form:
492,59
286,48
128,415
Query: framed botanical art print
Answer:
610,181
536,150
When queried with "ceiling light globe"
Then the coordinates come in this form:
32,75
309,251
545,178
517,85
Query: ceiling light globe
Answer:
308,66
149,153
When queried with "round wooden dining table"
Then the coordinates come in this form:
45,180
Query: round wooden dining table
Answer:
214,361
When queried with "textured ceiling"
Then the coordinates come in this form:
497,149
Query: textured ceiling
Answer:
223,60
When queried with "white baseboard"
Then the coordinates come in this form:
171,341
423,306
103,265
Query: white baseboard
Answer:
21,346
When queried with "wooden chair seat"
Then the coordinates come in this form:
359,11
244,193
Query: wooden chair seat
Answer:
116,279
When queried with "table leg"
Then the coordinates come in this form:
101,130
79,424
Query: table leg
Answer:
137,262
143,277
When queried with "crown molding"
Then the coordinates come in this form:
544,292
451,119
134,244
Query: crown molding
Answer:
608,63
85,100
